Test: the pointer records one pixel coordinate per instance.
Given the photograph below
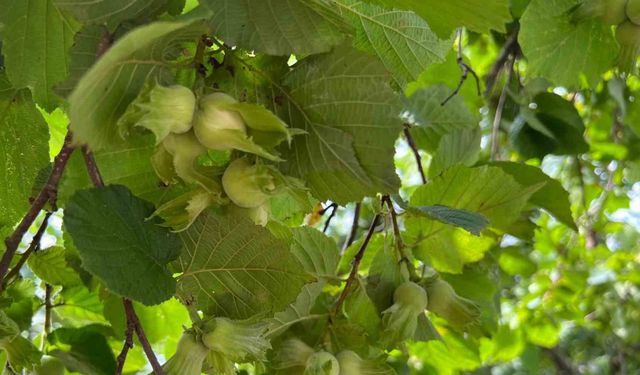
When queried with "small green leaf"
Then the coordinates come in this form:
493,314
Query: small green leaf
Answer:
432,119
552,196
554,127
89,351
51,266
460,146
472,222
119,245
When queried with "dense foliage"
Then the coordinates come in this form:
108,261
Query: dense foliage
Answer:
319,187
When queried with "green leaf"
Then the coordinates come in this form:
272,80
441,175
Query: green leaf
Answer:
344,103
37,38
105,91
79,306
119,245
552,196
484,190
88,352
23,150
51,266
21,353
128,163
297,312
112,12
8,328
276,27
319,256
359,309
460,146
231,266
83,54
562,51
445,16
400,39
22,304
317,253
472,222
555,127
432,119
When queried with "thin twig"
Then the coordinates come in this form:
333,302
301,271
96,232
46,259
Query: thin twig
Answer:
132,318
499,109
334,208
128,344
465,69
33,246
562,364
415,150
354,227
404,257
48,193
48,289
354,267
92,167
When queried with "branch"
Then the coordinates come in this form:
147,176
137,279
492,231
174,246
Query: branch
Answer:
354,227
128,344
334,208
404,258
33,246
92,167
132,319
416,152
499,109
510,47
48,193
562,364
356,264
466,69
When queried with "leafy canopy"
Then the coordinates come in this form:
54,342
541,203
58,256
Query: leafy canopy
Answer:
319,186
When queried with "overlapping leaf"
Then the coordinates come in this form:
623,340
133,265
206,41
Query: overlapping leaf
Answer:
37,38
560,50
112,12
424,108
445,16
276,27
128,164
319,256
234,268
344,103
484,190
400,39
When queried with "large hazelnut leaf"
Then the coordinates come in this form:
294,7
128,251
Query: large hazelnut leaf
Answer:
120,246
231,267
